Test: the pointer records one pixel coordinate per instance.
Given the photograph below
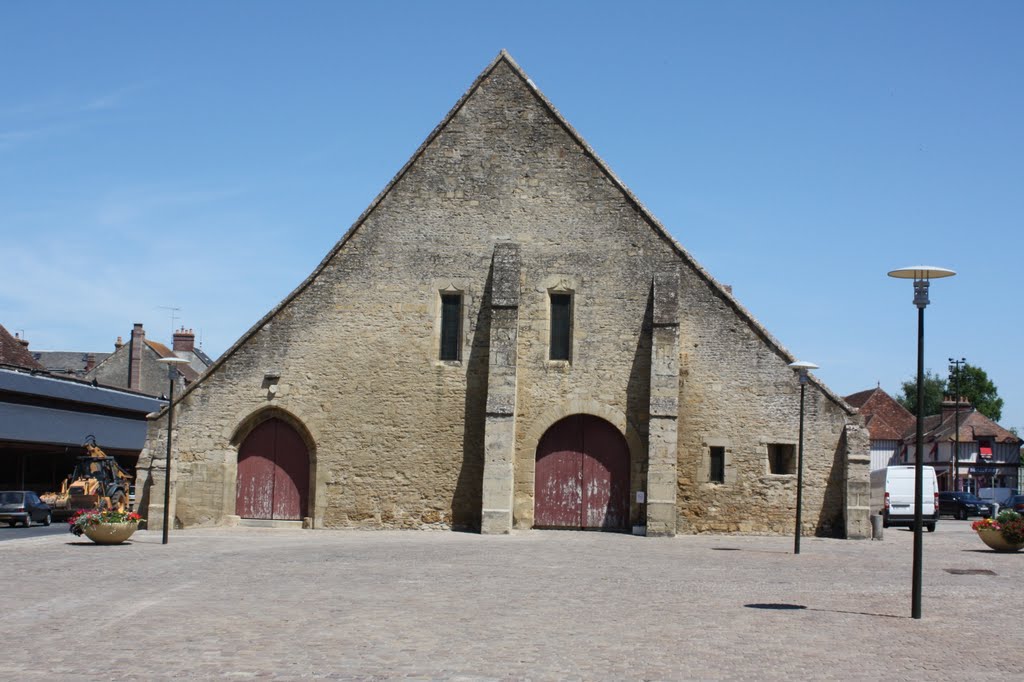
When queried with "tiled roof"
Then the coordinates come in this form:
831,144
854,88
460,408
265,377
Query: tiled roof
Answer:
973,425
13,352
885,418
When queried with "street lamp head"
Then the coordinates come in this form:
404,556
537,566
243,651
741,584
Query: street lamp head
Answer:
921,274
172,365
802,367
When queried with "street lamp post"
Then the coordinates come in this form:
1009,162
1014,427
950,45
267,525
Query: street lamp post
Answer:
954,368
921,274
172,374
802,368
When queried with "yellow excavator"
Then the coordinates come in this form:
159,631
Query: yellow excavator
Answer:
97,482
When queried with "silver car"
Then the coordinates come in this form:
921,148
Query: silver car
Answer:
25,507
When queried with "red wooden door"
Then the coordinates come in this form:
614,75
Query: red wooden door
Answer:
605,476
582,476
558,487
254,496
273,473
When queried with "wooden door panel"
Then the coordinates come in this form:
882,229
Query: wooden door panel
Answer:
254,496
606,476
291,474
558,477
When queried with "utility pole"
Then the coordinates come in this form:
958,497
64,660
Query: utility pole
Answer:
954,369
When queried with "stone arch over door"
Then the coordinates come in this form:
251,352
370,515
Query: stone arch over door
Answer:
582,476
273,477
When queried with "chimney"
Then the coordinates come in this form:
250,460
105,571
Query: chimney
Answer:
118,344
23,342
90,361
949,408
135,356
184,341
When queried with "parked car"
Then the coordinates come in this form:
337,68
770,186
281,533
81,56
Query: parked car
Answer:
962,505
1016,503
23,506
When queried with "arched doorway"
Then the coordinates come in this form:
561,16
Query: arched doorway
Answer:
273,473
582,476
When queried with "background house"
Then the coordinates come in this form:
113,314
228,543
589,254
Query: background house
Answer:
988,454
887,422
135,365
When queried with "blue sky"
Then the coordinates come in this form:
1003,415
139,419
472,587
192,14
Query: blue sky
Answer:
207,155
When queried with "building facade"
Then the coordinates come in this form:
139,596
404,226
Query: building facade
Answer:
969,451
507,339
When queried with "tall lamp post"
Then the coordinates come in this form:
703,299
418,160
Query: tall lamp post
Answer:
921,274
172,374
954,368
802,369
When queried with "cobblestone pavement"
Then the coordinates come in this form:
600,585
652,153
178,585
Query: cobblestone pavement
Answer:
291,604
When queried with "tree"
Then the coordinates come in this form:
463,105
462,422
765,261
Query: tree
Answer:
934,390
976,387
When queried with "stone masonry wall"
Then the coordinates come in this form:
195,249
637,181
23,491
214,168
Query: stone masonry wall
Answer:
398,437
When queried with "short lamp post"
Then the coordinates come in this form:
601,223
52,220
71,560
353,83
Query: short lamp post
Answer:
802,368
921,274
172,374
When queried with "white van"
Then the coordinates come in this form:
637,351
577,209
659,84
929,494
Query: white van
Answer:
892,494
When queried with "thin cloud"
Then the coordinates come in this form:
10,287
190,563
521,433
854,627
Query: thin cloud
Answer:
129,207
111,100
10,139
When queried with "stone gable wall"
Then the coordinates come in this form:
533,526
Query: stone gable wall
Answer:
398,436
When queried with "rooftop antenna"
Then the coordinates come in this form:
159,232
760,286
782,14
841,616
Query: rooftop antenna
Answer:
174,316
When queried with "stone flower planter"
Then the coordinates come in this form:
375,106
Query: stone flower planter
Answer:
995,540
110,533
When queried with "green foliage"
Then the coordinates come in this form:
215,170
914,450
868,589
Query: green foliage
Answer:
974,385
978,389
1012,526
934,390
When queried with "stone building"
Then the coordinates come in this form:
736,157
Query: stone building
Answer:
135,365
507,339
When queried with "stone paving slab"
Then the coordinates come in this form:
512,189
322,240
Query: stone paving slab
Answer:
539,605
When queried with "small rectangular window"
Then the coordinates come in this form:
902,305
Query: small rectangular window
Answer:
781,459
561,327
451,326
716,473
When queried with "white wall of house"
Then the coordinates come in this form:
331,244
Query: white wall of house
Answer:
884,453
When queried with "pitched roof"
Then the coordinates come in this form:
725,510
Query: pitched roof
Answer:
165,352
884,417
67,362
973,426
13,352
505,58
